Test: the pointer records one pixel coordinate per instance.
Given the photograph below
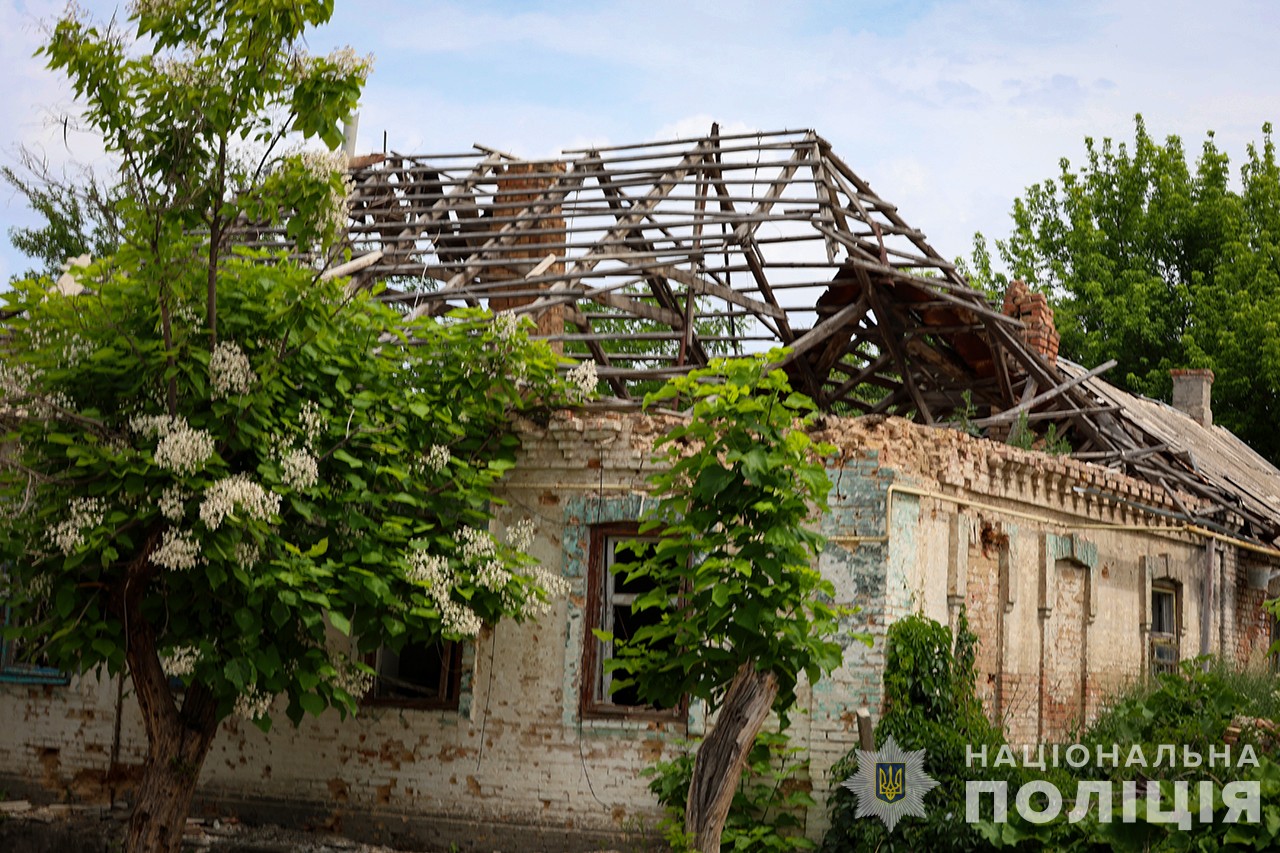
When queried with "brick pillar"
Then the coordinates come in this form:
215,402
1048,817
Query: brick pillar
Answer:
515,193
1033,310
1192,394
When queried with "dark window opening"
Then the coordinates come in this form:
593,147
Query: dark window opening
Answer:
419,675
22,661
1164,629
610,596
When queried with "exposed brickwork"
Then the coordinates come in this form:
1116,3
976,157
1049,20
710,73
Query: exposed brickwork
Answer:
1033,310
512,199
922,519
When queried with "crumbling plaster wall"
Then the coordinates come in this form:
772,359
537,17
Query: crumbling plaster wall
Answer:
1053,560
1053,581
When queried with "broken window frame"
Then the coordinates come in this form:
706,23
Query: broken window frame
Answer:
13,671
449,686
1164,636
594,700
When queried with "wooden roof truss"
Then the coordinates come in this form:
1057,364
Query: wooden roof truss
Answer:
652,259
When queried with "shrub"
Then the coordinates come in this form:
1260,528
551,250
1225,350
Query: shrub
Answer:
930,704
767,807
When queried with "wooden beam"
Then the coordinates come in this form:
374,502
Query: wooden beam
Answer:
883,318
1011,415
823,330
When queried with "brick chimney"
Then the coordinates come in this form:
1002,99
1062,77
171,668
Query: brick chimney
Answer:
522,184
1033,310
1191,394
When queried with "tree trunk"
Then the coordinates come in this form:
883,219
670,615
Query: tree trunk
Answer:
178,740
168,785
722,755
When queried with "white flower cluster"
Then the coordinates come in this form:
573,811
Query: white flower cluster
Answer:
229,370
181,448
321,165
493,575
178,551
173,502
347,62
430,569
520,534
476,544
437,458
246,555
185,72
554,585
312,419
187,314
505,324
299,469
434,571
16,381
583,380
181,661
74,350
237,491
456,619
85,514
253,704
351,678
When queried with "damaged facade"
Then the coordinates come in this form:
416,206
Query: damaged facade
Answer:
1150,540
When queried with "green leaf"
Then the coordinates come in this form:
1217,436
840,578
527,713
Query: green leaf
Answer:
340,622
312,703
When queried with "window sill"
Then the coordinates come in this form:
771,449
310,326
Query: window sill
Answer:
34,677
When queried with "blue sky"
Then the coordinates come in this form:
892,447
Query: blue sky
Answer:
949,108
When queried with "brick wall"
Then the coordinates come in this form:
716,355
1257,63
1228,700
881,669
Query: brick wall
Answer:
927,520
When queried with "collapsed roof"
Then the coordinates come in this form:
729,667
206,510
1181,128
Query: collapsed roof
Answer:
652,259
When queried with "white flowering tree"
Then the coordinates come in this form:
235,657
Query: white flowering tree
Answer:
220,467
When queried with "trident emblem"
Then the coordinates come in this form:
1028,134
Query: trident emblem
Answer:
890,781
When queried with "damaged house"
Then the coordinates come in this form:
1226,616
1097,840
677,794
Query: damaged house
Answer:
1091,537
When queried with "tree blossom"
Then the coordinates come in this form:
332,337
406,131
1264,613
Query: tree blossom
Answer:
300,470
173,502
237,491
520,534
181,662
312,421
430,569
437,458
253,704
181,448
230,372
583,380
352,678
85,514
456,619
178,551
247,555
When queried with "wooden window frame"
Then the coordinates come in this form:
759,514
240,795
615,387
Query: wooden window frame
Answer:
589,704
450,684
12,672
1165,638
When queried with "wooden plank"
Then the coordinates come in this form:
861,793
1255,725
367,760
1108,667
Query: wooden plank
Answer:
704,287
1011,415
884,320
508,234
822,331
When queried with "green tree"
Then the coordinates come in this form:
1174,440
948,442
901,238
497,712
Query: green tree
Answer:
744,612
225,467
79,213
1160,263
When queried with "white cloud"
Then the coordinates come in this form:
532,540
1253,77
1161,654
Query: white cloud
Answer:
949,114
